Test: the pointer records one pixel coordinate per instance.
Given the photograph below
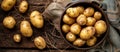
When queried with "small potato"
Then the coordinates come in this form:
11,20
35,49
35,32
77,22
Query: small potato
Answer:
25,28
87,33
23,6
17,38
36,19
91,41
80,9
97,15
81,20
79,42
7,5
40,42
90,21
70,37
65,28
89,11
75,28
9,22
68,20
100,27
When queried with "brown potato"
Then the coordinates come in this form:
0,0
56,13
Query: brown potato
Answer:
89,11
81,20
75,28
9,22
80,9
91,41
100,27
97,15
70,37
79,42
87,32
90,21
25,28
68,20
40,42
65,28
17,38
7,5
23,6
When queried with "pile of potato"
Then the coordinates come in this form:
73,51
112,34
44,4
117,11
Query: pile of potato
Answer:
83,26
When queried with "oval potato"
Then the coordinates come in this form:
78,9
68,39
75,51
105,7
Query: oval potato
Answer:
89,11
23,6
17,38
79,42
75,28
68,20
97,15
65,28
91,41
90,21
81,20
70,37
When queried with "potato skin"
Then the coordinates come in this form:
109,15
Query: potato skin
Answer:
91,41
89,11
25,28
65,28
37,19
75,28
90,21
68,20
81,20
17,38
97,15
23,6
7,5
79,42
9,22
70,37
40,42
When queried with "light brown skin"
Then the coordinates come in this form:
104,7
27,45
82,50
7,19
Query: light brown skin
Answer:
80,9
70,37
65,28
75,28
79,42
92,41
9,22
81,20
97,15
68,20
23,6
17,37
90,21
89,11
40,42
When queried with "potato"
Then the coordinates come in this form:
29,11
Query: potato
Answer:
81,20
75,28
40,42
89,11
79,42
36,19
70,37
9,22
25,28
65,28
23,6
80,9
91,41
100,27
68,20
87,32
17,38
97,15
7,5
90,21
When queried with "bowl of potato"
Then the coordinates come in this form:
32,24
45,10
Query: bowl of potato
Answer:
84,25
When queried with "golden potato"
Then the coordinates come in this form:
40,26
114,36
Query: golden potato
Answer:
89,11
75,28
23,6
40,42
17,38
70,37
25,28
7,5
9,22
90,21
87,32
81,20
79,42
80,9
100,27
68,20
65,28
91,41
97,15
36,19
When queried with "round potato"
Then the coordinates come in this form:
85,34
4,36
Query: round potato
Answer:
81,20
25,29
79,42
36,19
97,15
40,42
87,33
80,9
23,6
65,28
68,20
89,11
70,37
9,22
100,27
90,21
17,38
7,5
91,41
75,28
